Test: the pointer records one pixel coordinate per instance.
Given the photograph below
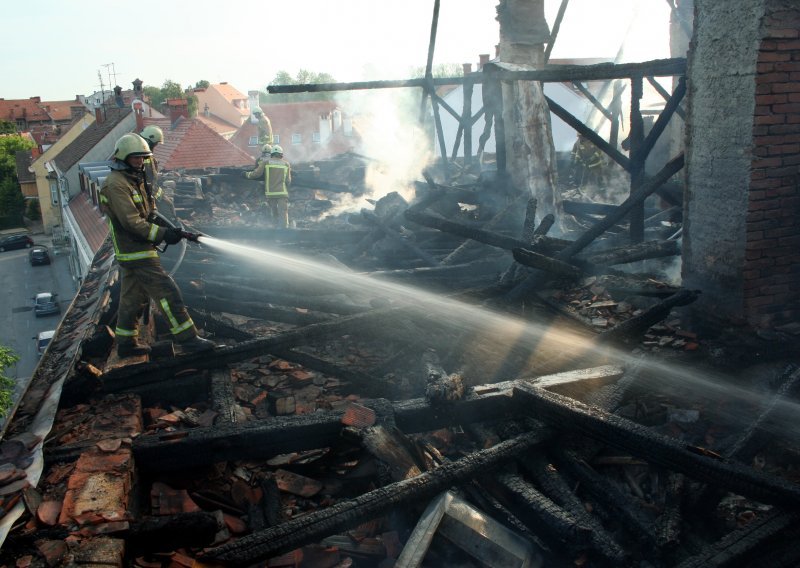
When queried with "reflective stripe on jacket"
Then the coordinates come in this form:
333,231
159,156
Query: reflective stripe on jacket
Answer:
277,174
126,204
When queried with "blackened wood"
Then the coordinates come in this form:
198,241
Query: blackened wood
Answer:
439,385
638,156
663,119
634,253
554,32
390,447
487,237
347,514
636,326
210,323
541,515
655,448
665,94
547,264
467,128
271,502
590,134
642,193
672,214
597,104
396,238
668,525
364,383
448,272
165,534
262,310
550,481
736,547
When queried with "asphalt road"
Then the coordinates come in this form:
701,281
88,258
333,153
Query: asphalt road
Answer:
19,282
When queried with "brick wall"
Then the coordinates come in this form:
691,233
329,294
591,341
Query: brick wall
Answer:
771,272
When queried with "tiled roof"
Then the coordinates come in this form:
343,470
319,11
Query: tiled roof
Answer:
216,124
89,219
229,92
191,144
242,139
24,159
303,117
13,109
60,110
87,139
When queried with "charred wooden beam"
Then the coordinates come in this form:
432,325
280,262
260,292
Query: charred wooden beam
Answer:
487,237
668,525
665,94
165,534
547,264
666,114
262,310
634,253
737,546
554,32
655,448
637,325
638,156
597,104
395,237
313,526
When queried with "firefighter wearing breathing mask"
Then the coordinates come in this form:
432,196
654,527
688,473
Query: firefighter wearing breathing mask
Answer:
128,203
277,175
154,136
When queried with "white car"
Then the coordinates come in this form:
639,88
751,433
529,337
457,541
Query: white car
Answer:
43,340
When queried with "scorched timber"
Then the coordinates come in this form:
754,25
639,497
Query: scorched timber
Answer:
655,448
264,439
341,516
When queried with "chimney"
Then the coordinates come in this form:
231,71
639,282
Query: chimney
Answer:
137,88
76,112
118,96
206,111
337,119
467,67
98,114
36,99
177,108
35,153
139,113
484,59
324,128
497,50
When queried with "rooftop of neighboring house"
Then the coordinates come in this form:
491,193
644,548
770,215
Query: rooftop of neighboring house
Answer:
228,92
90,220
191,144
221,127
87,139
24,158
61,111
29,109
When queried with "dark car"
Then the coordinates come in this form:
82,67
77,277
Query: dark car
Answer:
45,304
39,255
12,242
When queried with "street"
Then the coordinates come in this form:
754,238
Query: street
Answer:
19,282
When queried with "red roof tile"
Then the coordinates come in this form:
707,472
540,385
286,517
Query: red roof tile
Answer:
89,219
191,144
29,109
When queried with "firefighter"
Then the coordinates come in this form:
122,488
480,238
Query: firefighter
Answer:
264,126
128,204
266,152
277,175
154,136
587,163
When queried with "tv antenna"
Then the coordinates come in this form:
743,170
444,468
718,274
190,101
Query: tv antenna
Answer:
110,72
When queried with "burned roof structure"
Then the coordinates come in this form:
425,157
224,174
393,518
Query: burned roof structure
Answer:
473,376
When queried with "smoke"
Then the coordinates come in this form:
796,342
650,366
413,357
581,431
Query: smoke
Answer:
387,123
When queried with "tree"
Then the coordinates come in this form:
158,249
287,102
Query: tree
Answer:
202,84
7,127
7,358
171,90
12,202
9,146
439,70
303,77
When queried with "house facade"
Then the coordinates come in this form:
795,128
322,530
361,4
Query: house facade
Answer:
222,107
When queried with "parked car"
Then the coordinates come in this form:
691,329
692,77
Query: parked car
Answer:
43,340
39,255
12,242
45,304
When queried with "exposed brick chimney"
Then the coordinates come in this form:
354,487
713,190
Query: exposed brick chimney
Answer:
98,114
36,99
138,111
178,108
484,59
137,88
467,67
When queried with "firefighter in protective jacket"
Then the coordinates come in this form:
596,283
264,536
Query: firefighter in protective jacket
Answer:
277,175
128,205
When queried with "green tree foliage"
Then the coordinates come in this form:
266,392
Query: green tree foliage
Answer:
12,202
7,358
9,146
33,210
170,90
202,84
303,77
7,127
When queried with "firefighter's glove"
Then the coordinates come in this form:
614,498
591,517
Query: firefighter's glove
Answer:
172,236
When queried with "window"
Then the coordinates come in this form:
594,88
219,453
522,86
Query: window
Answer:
276,138
316,137
53,192
297,138
253,141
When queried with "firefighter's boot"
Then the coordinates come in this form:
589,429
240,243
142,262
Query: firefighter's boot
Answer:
130,347
196,344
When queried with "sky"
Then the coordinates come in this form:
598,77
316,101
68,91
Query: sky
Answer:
57,49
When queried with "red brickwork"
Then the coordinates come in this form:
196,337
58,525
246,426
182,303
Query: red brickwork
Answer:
772,266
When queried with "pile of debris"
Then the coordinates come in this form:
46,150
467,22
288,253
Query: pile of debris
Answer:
434,383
